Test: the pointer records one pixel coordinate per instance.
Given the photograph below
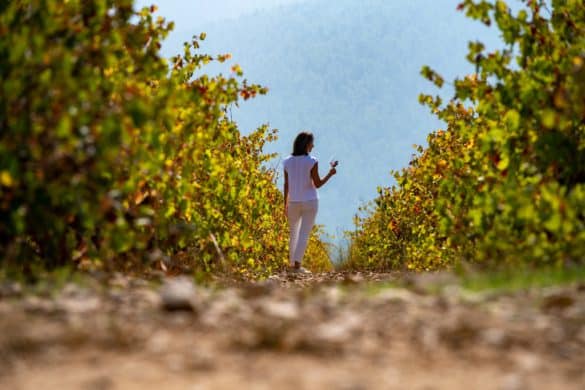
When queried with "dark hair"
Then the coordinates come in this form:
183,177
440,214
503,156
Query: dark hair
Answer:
301,142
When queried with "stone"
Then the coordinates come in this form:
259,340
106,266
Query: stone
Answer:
178,294
512,381
79,304
395,295
282,310
557,301
527,361
10,289
337,333
353,278
494,336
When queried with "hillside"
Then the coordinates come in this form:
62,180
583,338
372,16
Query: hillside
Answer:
350,73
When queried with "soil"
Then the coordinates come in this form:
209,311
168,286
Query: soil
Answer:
325,331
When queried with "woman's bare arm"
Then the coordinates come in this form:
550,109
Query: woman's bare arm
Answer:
318,181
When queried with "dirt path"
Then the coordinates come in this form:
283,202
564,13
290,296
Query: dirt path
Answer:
332,331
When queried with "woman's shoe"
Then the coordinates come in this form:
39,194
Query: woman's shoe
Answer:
302,270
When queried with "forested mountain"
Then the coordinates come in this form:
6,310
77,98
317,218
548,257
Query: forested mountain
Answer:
348,71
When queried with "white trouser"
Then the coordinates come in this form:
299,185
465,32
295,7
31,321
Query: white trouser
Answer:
301,218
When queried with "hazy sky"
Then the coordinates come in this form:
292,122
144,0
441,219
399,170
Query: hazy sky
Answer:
187,14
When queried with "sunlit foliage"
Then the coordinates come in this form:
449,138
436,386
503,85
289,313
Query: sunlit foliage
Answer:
505,182
113,157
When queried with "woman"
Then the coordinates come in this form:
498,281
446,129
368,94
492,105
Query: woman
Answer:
301,201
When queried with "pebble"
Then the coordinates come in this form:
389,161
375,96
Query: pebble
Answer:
281,310
10,290
495,337
79,305
34,304
527,361
159,342
557,302
338,332
178,294
512,382
395,295
430,338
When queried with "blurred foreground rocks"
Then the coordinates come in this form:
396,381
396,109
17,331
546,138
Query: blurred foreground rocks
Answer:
188,327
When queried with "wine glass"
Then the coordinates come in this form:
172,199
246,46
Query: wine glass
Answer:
333,162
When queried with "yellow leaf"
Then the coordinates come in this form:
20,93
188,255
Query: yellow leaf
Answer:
5,179
548,118
503,163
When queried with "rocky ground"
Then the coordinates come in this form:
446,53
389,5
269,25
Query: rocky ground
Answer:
328,331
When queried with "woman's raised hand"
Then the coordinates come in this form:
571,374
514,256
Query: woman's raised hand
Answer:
333,164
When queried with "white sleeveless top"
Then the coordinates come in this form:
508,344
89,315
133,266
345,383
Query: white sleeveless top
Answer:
300,184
